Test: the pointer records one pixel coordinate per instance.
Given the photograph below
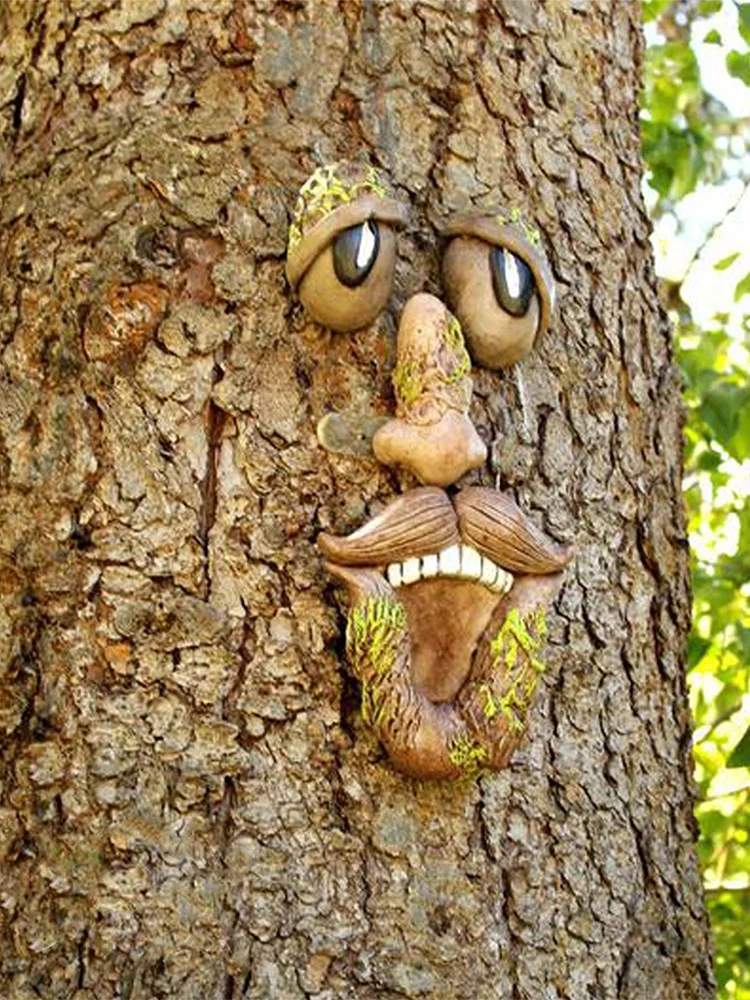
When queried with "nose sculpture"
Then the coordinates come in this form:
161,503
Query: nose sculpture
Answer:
432,434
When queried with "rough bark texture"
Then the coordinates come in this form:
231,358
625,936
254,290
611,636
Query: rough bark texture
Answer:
191,806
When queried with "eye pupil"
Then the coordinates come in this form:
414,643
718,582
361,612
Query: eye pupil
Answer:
355,252
512,281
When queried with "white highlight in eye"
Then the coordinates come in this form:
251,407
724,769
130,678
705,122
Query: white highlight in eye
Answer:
366,245
512,274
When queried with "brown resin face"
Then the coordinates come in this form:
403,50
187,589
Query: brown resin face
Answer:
448,593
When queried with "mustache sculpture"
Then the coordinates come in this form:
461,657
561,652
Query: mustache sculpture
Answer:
446,625
424,521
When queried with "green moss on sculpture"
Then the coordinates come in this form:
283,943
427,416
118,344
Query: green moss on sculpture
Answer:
375,630
521,633
327,189
460,362
490,707
408,382
372,625
469,756
514,652
450,366
514,217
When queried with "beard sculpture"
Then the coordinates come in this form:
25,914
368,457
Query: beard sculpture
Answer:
448,594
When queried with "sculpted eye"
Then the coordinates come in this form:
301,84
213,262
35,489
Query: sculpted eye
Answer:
498,284
354,253
342,245
512,281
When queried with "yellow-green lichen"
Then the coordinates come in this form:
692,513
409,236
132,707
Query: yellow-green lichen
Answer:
329,188
371,628
378,704
468,756
513,707
490,706
408,382
521,633
514,651
453,338
515,217
374,631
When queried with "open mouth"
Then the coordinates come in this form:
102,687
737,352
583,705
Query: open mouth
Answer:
446,623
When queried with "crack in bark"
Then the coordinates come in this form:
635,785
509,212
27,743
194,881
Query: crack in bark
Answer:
216,420
506,908
18,103
81,971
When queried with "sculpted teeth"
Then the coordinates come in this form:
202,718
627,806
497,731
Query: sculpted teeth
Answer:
429,566
489,572
503,583
409,571
450,561
471,563
460,562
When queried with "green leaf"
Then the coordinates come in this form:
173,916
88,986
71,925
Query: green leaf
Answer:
712,38
653,9
743,15
726,262
672,80
676,156
697,647
741,437
709,461
721,407
740,756
738,65
742,287
744,638
708,7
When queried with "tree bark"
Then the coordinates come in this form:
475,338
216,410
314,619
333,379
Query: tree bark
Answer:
191,805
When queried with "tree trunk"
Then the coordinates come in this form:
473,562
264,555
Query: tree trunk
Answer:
191,805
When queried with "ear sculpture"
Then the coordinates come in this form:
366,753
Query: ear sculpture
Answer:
499,285
342,245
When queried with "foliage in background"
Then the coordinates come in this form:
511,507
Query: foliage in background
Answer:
692,143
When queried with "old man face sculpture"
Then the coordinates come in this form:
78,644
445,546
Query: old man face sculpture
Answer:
448,592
